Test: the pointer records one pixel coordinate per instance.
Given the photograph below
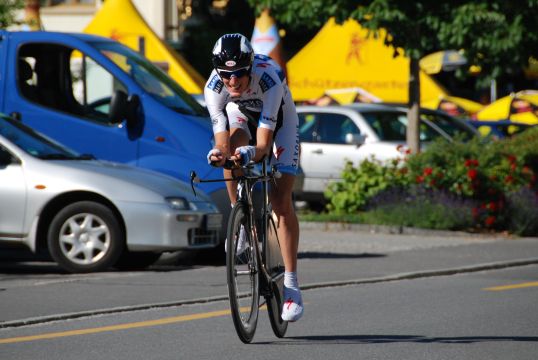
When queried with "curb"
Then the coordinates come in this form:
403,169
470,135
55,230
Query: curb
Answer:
396,230
312,286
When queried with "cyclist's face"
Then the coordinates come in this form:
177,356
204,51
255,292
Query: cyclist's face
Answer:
236,85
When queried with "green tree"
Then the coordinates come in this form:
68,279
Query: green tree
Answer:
7,12
499,36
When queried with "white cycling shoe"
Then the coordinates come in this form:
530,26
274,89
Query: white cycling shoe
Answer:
241,242
293,308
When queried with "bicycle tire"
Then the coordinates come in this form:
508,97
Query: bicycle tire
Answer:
276,299
242,275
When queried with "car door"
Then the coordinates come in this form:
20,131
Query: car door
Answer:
323,147
65,95
13,195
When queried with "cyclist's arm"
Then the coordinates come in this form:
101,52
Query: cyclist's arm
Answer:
222,142
264,140
273,92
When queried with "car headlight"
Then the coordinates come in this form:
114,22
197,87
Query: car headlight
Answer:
178,203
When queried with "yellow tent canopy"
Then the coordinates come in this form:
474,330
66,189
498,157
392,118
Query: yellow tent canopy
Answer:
342,56
519,107
121,21
453,105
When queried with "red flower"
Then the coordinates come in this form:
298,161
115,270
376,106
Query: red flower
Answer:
476,212
492,206
490,220
471,163
428,171
419,179
511,158
509,179
471,174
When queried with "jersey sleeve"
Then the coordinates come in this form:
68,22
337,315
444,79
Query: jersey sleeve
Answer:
273,91
216,97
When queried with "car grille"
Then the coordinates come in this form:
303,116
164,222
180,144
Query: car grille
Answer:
203,238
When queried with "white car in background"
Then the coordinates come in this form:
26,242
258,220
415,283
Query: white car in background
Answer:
330,135
91,215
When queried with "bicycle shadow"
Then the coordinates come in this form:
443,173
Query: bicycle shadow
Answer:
329,255
387,339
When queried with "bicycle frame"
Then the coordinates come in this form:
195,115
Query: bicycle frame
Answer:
245,193
267,265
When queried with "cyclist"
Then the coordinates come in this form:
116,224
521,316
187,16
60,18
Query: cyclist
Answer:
244,86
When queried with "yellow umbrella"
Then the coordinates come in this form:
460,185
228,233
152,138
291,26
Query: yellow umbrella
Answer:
519,107
445,60
344,96
351,95
453,105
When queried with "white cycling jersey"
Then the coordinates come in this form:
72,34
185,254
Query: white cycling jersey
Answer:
269,100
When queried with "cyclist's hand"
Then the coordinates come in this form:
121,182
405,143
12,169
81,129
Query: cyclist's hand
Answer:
215,157
244,154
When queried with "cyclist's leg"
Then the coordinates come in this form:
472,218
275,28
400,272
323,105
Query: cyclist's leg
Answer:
287,224
286,156
240,135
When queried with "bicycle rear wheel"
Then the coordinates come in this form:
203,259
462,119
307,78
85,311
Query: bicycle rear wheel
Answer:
243,274
275,267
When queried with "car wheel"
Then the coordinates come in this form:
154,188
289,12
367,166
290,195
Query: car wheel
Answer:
85,236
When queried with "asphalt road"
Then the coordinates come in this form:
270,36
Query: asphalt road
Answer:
416,293
464,316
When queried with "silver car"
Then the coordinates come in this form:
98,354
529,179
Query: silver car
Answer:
330,135
90,215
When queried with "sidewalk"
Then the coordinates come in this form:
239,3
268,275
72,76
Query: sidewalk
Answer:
326,258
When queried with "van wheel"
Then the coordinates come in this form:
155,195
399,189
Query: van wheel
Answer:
85,236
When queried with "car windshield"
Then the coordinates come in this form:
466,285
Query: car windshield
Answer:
153,80
35,143
392,126
449,125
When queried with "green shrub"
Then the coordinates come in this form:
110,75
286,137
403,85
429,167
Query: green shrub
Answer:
420,207
361,183
488,174
522,209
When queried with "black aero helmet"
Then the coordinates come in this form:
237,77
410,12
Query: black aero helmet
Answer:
232,52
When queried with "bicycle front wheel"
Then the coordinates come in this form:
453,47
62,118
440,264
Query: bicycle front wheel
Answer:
275,267
242,273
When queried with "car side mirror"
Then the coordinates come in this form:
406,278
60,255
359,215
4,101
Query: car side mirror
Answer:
118,107
355,139
133,105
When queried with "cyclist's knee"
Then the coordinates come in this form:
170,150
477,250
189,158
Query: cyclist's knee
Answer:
282,205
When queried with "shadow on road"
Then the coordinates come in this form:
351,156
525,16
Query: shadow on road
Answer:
326,255
383,339
22,262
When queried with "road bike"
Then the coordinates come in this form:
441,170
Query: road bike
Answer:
258,270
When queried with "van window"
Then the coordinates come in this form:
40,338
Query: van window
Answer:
151,78
64,79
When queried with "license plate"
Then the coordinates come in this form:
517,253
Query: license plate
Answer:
213,221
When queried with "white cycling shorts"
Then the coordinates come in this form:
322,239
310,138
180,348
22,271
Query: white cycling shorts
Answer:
285,153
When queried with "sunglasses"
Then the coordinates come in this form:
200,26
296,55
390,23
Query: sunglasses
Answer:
237,73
